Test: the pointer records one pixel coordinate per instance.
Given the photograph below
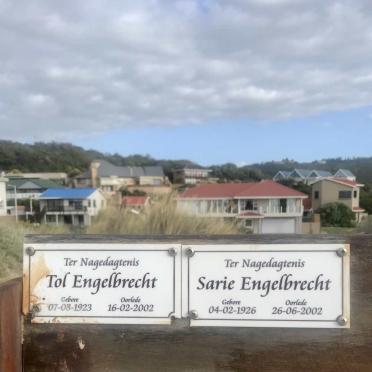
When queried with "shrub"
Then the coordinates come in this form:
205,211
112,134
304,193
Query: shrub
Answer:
365,226
336,214
11,243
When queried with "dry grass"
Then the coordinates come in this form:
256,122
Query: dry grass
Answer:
11,242
160,218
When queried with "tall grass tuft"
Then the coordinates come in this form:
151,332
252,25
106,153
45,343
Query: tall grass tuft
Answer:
11,243
160,218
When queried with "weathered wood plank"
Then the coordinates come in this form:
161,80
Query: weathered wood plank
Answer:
188,239
180,348
10,326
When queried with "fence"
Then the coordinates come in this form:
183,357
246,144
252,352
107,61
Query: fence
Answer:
10,326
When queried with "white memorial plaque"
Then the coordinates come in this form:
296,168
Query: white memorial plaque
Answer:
102,283
267,285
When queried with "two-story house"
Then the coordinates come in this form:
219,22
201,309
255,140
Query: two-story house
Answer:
71,206
264,207
337,190
28,188
111,178
190,176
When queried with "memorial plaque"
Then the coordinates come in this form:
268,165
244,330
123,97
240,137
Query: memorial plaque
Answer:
102,283
267,285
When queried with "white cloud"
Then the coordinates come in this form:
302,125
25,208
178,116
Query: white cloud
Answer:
70,68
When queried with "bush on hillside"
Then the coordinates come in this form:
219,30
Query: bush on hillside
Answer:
336,214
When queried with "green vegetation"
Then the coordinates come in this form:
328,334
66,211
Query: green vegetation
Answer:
365,226
365,200
230,172
64,157
337,215
11,242
299,186
161,218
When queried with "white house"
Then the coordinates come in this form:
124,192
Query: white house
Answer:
3,210
71,206
264,207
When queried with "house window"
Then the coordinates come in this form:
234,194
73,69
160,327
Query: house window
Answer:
89,203
283,205
251,205
248,223
355,193
344,194
94,203
316,194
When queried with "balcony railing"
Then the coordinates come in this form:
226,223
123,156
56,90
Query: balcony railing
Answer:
66,209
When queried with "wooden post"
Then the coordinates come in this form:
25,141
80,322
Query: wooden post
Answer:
10,326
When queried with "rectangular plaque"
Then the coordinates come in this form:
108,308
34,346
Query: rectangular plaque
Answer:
267,285
102,283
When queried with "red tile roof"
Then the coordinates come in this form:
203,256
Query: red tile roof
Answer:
132,201
266,188
358,209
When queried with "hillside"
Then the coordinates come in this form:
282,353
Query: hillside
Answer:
65,157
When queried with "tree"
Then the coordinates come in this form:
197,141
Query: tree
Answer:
336,214
299,186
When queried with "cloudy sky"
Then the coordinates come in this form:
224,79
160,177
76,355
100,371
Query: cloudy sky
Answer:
208,80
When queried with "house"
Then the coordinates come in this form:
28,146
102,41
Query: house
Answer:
316,174
281,175
190,176
111,178
28,188
337,190
60,177
3,203
308,176
263,207
135,202
71,206
345,173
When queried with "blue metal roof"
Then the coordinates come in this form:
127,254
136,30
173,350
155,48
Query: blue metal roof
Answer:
66,193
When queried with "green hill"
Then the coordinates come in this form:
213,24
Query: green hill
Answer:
65,157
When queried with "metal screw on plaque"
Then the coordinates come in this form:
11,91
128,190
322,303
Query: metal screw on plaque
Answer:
341,252
172,252
30,251
189,252
34,310
341,320
193,314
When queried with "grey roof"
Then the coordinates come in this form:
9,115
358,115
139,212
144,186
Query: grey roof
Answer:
302,172
31,183
345,172
107,169
322,173
284,174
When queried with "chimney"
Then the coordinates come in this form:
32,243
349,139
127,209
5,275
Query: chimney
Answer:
94,165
